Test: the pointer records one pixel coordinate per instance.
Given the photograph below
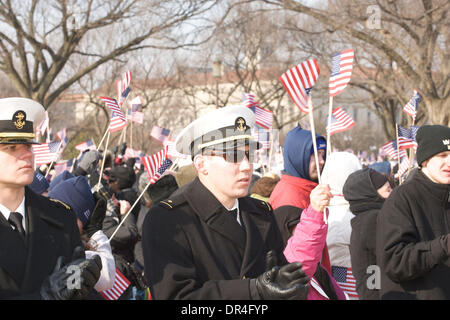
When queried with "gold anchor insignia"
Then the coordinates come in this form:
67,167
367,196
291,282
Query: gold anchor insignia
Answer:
240,124
19,123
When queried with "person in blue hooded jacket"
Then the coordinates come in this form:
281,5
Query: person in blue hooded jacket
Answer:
300,175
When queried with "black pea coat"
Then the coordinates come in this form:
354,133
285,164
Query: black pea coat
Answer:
52,231
194,249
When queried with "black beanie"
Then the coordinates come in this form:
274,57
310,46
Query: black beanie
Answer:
431,140
124,175
378,179
162,188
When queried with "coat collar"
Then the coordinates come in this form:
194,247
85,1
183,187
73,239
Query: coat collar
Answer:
440,191
256,222
213,213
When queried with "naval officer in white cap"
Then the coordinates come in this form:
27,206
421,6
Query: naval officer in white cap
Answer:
209,240
37,235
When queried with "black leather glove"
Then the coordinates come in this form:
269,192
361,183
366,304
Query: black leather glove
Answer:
90,272
95,221
288,282
63,283
271,260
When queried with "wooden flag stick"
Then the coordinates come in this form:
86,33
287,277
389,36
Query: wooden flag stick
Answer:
129,211
398,154
270,150
131,133
330,109
174,164
313,135
101,141
103,161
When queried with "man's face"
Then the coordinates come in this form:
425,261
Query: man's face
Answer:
437,168
17,165
229,179
313,175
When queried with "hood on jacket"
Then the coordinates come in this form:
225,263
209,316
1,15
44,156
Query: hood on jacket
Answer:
338,167
298,148
360,193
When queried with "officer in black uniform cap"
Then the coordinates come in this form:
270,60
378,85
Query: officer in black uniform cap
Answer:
208,240
40,248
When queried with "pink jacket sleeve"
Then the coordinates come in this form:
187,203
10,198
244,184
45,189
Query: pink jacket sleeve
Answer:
307,242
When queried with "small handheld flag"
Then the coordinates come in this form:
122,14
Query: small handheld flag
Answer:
299,80
342,121
123,87
411,107
121,283
341,71
263,117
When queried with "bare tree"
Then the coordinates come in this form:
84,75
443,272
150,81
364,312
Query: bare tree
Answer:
410,37
39,38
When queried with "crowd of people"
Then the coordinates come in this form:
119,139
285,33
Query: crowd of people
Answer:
218,228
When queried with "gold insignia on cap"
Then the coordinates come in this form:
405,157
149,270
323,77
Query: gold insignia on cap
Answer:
240,124
21,117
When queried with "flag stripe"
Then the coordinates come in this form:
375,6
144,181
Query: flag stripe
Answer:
121,283
343,121
298,80
341,71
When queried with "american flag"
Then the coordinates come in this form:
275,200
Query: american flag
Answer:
340,121
62,135
344,277
135,116
160,134
46,152
341,71
123,87
406,143
262,136
409,134
404,166
390,149
249,100
136,103
131,153
172,151
263,117
165,165
120,285
87,145
115,108
63,165
411,107
153,163
116,123
299,80
44,125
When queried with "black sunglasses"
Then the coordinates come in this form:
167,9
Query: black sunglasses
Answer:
234,155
